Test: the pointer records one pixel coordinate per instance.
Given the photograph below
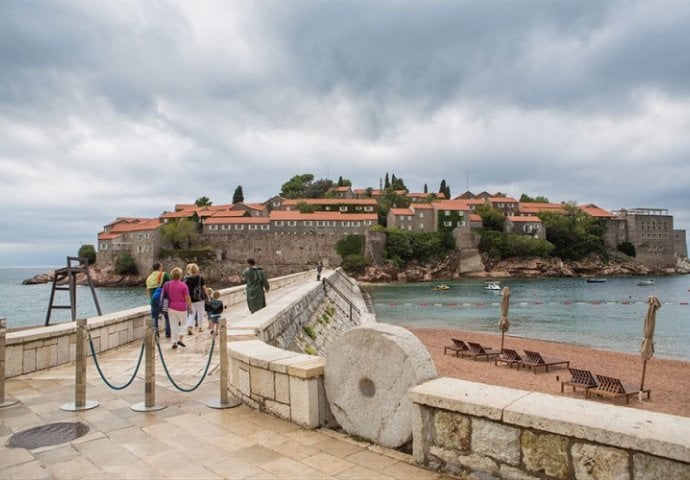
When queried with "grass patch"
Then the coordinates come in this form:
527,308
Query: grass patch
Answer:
309,330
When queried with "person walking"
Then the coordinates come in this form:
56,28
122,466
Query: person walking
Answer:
156,279
319,268
197,291
179,305
257,286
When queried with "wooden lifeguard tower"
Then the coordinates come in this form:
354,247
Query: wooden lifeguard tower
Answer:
70,273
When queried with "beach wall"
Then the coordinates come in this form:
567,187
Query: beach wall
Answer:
34,349
461,427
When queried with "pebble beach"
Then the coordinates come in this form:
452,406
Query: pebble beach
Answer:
669,380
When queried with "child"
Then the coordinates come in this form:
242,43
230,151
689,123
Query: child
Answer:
215,310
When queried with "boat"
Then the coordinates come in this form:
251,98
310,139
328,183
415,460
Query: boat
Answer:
596,280
649,281
441,287
492,286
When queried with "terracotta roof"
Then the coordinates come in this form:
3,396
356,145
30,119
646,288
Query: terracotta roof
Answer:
594,211
179,214
475,218
535,207
256,206
330,201
236,220
229,213
439,195
452,205
401,211
339,189
127,225
320,216
525,219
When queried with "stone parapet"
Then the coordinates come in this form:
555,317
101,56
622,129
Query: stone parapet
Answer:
285,383
460,427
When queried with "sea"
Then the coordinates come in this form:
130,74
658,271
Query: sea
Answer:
607,315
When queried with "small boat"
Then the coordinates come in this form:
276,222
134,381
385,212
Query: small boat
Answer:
596,280
649,281
441,287
492,286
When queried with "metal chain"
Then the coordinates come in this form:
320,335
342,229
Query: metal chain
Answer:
203,376
100,372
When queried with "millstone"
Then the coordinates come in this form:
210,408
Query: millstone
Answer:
368,373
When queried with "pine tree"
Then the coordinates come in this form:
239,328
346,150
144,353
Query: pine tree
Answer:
238,196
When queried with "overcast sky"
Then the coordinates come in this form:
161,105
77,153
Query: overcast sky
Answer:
121,108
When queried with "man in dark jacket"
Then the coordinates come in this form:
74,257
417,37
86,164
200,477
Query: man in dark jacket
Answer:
257,285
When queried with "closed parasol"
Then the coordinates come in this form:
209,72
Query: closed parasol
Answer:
647,347
504,324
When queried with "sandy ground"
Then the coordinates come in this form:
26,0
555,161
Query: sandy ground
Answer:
669,380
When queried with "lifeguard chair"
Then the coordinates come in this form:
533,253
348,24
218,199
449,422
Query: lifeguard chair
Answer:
70,273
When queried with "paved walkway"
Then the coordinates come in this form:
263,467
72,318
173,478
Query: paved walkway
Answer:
185,440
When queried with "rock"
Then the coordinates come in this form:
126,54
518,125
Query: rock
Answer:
367,375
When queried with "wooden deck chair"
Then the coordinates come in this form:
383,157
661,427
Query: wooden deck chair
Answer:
508,356
534,360
614,388
476,350
580,379
456,348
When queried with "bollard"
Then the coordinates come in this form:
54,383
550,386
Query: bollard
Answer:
225,401
3,331
149,403
80,402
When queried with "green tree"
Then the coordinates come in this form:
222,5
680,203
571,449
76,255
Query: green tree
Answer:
317,189
499,246
305,207
386,182
125,264
238,196
297,186
574,234
628,249
391,199
203,202
350,245
444,189
180,235
88,252
492,218
537,199
426,189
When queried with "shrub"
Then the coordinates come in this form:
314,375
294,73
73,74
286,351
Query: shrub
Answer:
309,330
350,245
325,319
330,310
309,350
88,252
354,263
125,264
497,245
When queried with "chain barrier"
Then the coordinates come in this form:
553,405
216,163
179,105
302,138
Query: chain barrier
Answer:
203,376
100,372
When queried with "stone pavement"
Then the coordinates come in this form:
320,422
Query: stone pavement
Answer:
186,439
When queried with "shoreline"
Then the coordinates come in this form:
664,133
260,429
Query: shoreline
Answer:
669,380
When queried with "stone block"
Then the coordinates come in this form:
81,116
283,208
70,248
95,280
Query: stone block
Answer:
452,430
304,402
479,462
506,471
496,440
63,349
592,462
282,386
545,453
14,359
648,466
243,381
46,357
29,360
262,382
113,340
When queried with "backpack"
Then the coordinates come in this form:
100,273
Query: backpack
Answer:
156,296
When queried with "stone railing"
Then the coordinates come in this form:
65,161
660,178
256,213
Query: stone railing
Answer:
461,427
38,348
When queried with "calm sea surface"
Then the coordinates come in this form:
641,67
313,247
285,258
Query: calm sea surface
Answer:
606,315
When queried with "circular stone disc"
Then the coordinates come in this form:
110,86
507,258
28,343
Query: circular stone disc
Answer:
367,375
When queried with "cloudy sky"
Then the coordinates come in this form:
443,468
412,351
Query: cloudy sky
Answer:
121,108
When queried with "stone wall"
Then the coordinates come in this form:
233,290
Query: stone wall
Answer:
462,427
39,348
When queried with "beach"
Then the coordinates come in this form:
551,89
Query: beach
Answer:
669,380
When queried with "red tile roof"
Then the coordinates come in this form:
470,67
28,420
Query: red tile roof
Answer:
535,207
329,201
320,216
525,219
128,225
594,211
246,220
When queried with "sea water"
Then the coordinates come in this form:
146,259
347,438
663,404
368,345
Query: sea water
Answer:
607,315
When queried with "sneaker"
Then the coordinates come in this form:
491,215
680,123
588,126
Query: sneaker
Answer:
174,346
181,344
189,331
201,329
167,335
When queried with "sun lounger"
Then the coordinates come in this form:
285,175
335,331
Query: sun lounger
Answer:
614,388
476,350
509,357
580,379
456,348
534,360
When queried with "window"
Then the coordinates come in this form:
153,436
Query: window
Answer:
343,208
103,246
292,223
279,223
368,209
446,213
239,227
308,223
421,214
447,224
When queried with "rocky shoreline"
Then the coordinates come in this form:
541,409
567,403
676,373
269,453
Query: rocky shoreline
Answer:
452,268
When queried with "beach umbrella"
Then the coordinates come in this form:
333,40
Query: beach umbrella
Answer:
647,347
504,323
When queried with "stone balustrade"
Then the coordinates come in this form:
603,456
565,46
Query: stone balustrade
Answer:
461,427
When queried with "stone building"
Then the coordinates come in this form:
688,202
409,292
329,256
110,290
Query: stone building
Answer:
651,231
140,237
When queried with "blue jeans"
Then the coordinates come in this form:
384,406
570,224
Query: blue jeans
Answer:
155,313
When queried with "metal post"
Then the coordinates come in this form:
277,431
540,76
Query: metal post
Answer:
3,331
149,403
80,402
225,401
